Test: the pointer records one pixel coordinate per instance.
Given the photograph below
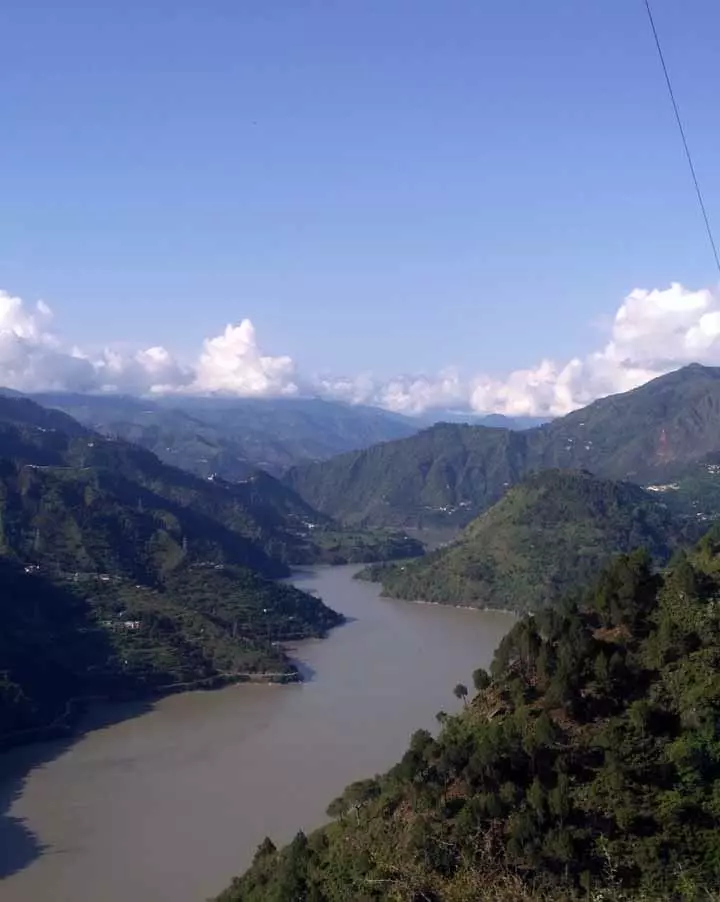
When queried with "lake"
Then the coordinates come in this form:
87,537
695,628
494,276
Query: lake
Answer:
165,802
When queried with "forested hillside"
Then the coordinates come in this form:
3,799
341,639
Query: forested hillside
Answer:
586,767
99,636
121,575
548,536
440,476
71,499
447,475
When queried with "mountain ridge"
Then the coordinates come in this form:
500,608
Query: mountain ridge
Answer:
449,473
547,536
233,436
257,522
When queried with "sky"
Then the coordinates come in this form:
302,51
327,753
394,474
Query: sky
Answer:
410,203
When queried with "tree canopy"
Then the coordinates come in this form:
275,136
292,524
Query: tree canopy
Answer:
587,766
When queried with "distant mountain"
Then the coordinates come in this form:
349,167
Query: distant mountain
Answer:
655,431
499,420
441,476
549,535
72,499
448,474
233,437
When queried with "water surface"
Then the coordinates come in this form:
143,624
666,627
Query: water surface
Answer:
168,804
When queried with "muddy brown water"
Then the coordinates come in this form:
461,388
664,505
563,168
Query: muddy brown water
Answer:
168,801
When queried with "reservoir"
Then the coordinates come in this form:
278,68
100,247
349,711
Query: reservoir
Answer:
166,801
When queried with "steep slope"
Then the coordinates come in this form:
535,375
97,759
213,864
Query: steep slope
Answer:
545,538
441,476
643,435
587,767
232,437
111,494
122,575
449,474
91,520
71,494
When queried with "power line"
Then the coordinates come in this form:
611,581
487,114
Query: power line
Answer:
703,209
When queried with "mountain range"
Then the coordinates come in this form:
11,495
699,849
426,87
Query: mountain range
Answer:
233,437
448,474
134,539
71,495
122,574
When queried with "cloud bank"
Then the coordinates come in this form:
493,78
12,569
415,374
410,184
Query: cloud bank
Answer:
653,332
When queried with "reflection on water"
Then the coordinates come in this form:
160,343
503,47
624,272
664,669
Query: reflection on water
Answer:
170,804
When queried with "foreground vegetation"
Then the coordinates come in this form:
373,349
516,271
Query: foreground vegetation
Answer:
549,535
587,766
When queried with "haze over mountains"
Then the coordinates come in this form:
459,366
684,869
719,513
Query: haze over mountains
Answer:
232,436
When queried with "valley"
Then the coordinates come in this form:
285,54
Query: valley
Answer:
144,578
125,578
360,452
186,787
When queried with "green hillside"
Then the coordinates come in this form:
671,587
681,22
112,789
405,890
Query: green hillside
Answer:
645,435
587,767
66,640
447,475
121,575
546,537
437,477
92,520
72,499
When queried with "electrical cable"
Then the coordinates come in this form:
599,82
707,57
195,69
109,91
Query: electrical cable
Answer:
678,119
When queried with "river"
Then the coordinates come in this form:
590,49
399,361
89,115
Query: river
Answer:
165,802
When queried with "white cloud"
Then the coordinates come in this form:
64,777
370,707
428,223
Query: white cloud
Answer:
31,355
33,358
137,372
653,332
232,363
402,394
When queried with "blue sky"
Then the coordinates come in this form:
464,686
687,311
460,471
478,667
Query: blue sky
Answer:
385,185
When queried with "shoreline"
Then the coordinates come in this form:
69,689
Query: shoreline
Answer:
459,607
65,724
228,755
